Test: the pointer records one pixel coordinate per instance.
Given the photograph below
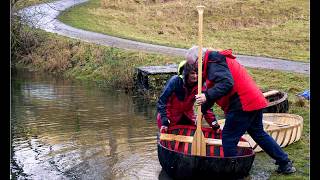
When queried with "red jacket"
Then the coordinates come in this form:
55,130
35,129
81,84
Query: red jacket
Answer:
227,72
176,101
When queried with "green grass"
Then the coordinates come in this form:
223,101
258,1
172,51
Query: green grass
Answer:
255,27
81,60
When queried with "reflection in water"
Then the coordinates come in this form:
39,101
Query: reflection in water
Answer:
63,129
66,130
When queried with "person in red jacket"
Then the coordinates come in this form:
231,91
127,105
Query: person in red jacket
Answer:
230,86
176,102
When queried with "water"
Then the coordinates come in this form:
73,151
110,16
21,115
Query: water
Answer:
62,129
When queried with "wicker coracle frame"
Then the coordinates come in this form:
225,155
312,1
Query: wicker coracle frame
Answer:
277,101
284,128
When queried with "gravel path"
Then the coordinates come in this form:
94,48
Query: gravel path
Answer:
44,16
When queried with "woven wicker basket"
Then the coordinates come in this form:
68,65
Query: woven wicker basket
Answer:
277,102
284,128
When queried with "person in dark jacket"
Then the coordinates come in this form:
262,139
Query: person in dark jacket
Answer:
230,86
176,102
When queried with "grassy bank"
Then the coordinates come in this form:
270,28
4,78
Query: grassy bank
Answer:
264,28
81,60
114,67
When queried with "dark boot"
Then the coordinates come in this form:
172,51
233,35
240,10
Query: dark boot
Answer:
286,168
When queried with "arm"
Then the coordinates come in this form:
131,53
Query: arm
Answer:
163,99
211,119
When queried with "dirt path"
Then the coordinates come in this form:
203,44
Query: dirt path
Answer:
43,16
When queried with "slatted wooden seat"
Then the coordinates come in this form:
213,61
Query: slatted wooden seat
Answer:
179,138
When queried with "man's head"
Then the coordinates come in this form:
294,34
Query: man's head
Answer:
192,55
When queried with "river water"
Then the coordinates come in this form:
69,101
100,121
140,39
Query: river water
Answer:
63,129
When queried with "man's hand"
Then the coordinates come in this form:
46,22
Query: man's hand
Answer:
163,129
200,99
165,121
215,125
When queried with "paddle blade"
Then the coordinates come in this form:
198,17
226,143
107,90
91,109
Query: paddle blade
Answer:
198,146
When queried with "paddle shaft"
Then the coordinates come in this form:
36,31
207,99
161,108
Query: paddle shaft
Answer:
199,141
200,11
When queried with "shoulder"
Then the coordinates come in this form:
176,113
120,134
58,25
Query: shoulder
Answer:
216,57
175,80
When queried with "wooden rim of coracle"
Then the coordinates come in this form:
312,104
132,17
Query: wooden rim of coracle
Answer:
282,94
283,120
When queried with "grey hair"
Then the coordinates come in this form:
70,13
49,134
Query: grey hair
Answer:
192,54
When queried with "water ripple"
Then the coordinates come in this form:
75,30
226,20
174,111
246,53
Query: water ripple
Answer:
62,130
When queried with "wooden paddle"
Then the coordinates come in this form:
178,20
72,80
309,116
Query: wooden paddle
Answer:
199,143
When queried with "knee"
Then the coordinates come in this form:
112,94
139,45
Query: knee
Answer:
258,136
229,140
